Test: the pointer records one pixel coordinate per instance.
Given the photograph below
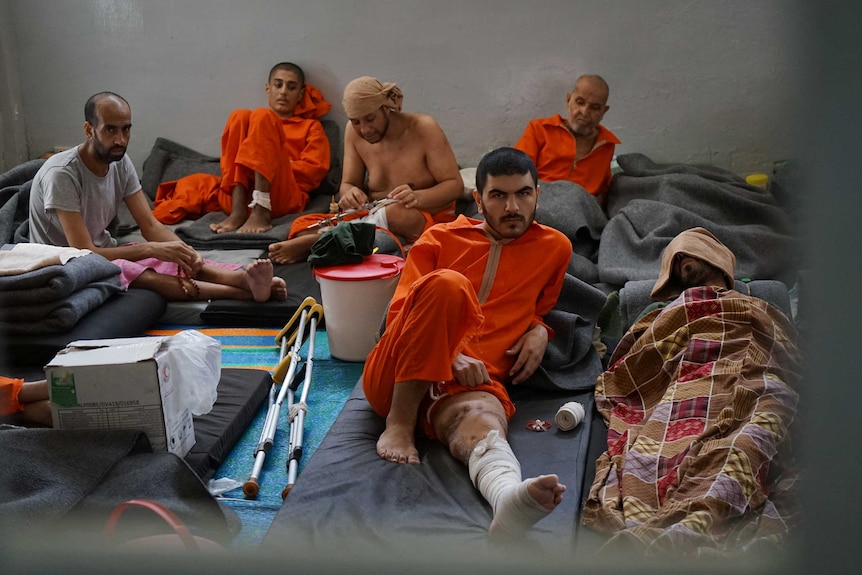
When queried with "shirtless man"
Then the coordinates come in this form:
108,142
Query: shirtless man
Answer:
76,194
388,154
575,148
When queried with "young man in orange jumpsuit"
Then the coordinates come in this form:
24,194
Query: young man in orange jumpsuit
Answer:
576,148
271,158
465,321
388,155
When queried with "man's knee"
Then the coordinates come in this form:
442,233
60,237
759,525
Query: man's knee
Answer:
447,281
263,117
405,221
239,118
467,421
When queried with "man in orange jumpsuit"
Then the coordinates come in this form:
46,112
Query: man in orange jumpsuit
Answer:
271,158
388,155
465,320
576,148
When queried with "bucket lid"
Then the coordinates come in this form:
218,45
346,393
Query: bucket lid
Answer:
373,267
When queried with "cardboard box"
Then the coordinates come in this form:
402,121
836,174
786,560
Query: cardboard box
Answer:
121,384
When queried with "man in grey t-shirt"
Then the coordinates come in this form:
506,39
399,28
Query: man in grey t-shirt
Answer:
77,193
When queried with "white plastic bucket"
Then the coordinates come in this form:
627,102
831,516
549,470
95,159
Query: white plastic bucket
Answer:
354,300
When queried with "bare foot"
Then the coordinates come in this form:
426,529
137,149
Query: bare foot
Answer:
526,504
259,276
278,289
229,224
258,221
294,250
396,445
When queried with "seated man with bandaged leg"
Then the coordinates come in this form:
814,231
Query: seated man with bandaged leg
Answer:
465,321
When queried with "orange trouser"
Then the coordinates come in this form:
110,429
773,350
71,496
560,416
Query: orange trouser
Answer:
254,141
439,316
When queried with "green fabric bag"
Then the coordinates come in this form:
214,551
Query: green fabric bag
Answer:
346,243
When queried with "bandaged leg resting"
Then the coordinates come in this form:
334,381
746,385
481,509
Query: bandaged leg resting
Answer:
496,473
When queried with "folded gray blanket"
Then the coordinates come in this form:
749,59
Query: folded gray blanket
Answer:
199,235
60,315
571,361
52,283
649,204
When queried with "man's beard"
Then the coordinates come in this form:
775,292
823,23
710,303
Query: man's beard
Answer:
104,154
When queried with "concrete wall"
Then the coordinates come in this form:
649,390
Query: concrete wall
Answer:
690,81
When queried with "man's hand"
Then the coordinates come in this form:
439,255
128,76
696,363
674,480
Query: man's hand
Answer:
352,199
405,195
529,350
180,253
470,371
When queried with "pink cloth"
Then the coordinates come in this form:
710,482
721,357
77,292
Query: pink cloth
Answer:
129,270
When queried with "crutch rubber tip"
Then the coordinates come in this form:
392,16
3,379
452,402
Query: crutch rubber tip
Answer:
286,491
251,488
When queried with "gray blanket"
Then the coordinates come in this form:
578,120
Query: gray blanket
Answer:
199,235
52,283
68,481
649,204
571,362
15,201
60,315
569,208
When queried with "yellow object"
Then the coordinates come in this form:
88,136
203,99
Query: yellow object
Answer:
757,180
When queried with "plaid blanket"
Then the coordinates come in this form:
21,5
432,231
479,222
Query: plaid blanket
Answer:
698,401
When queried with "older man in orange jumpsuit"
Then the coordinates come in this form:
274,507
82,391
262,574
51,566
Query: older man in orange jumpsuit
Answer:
466,320
576,148
271,158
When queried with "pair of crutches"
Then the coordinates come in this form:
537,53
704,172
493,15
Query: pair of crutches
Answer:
285,382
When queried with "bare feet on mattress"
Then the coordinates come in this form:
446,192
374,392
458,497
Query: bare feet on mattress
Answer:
229,224
257,223
278,291
290,251
396,445
526,504
260,280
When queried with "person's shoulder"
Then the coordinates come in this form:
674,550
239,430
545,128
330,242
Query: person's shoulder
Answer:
62,162
608,136
551,235
421,121
555,120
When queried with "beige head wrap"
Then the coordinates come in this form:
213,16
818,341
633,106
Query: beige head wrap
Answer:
365,95
697,243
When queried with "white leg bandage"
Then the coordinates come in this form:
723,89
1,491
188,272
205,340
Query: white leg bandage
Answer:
376,217
259,198
496,473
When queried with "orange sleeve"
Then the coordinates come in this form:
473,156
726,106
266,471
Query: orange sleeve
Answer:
551,292
9,389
